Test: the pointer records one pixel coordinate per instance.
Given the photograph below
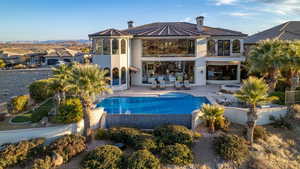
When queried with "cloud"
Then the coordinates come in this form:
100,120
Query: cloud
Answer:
281,7
188,19
240,14
225,2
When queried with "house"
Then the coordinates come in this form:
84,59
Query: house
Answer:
12,58
170,51
53,56
286,31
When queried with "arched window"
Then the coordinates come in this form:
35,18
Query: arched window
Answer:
115,76
123,46
211,48
123,75
107,75
236,46
115,46
106,47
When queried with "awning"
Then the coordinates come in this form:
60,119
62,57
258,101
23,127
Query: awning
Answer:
134,69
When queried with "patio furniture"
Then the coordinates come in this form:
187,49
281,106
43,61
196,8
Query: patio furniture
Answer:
162,84
178,85
154,85
186,85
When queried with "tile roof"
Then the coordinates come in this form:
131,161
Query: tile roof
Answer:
286,31
169,29
61,52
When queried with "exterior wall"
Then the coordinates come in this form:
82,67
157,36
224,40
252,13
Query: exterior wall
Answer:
136,57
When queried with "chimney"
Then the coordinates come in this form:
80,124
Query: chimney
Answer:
200,21
130,24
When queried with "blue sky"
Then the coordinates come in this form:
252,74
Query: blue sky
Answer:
74,19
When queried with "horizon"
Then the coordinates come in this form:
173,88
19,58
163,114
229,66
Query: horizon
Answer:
35,20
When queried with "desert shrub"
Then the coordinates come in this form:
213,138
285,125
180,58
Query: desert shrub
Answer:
19,66
42,163
281,97
67,146
259,133
257,164
70,111
40,90
18,104
101,134
144,141
143,159
177,154
222,123
281,122
171,134
103,157
17,153
231,147
123,134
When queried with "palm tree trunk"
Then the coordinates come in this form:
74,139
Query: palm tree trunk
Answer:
63,96
87,132
273,75
212,126
58,101
251,122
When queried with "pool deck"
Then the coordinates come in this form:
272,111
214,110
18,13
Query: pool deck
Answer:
208,91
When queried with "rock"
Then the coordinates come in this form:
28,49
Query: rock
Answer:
57,159
44,121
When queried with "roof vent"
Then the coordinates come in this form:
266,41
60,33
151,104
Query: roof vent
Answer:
200,21
130,24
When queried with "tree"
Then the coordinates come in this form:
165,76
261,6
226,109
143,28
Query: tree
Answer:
267,59
2,63
86,81
254,92
211,113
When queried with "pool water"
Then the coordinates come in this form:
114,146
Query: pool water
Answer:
171,103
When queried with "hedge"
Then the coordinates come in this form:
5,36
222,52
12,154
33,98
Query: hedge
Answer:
40,90
71,111
143,159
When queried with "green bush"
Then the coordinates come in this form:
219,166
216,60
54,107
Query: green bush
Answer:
101,134
40,90
67,146
143,159
231,147
17,153
43,163
178,154
144,141
123,134
18,104
103,157
42,111
171,134
281,97
70,111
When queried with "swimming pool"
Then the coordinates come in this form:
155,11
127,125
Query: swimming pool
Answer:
170,103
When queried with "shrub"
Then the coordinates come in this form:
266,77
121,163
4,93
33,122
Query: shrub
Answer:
103,157
222,123
2,63
101,134
18,104
231,147
42,111
143,159
43,163
67,146
41,90
70,111
178,154
281,97
172,134
145,141
259,133
17,153
123,134
281,122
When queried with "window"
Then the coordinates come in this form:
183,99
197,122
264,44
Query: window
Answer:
98,46
123,75
236,46
115,77
223,47
221,72
106,47
123,46
168,47
115,46
211,48
107,75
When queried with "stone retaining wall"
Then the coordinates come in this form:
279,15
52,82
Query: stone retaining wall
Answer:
147,121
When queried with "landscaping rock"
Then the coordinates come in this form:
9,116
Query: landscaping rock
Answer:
57,159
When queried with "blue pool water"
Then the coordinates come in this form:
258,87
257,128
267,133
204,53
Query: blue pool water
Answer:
171,103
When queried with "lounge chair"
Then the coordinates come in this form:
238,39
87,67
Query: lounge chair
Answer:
178,85
162,84
186,85
154,85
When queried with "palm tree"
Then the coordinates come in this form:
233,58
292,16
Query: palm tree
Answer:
267,59
86,81
254,92
211,113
